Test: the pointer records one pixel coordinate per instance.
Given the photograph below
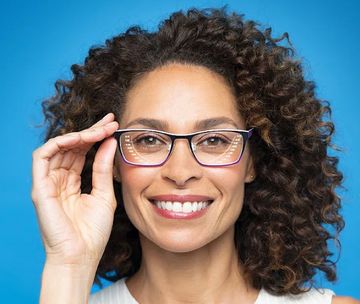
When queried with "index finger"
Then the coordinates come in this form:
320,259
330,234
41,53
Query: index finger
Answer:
107,118
82,140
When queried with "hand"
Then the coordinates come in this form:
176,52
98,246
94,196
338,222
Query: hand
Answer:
75,227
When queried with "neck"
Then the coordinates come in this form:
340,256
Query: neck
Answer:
211,274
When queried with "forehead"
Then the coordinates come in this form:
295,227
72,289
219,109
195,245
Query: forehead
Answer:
181,95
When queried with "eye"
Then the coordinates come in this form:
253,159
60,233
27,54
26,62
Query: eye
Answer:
148,140
213,140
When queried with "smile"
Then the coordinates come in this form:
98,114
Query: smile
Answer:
185,207
180,210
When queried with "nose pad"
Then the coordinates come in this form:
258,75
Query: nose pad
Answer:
193,147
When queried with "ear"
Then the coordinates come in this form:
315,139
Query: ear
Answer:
250,171
116,167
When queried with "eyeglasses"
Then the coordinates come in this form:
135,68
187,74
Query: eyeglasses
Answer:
146,147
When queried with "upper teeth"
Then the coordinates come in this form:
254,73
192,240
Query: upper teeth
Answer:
185,207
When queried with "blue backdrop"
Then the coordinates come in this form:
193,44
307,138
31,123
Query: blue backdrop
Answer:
41,39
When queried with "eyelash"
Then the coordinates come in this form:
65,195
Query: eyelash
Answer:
212,136
142,137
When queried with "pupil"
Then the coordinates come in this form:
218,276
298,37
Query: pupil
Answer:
150,139
212,142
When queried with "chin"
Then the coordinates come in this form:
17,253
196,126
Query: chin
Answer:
180,247
178,242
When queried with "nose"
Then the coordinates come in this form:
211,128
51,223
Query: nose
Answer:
181,166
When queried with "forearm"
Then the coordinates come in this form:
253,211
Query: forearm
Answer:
66,284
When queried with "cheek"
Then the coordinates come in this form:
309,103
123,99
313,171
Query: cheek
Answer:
229,180
231,184
135,180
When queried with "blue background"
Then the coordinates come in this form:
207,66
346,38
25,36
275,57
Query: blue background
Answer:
41,39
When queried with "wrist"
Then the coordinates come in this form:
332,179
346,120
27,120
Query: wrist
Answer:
66,283
82,260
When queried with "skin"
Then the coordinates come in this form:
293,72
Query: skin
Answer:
73,247
181,257
344,300
191,261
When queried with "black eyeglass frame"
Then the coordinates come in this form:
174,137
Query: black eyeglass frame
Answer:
246,134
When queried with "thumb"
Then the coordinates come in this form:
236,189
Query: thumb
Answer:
102,176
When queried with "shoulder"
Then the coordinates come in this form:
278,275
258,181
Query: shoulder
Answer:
344,300
312,296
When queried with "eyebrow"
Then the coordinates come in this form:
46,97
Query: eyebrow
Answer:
204,124
214,122
149,122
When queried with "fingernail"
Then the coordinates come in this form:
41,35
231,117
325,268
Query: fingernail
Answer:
105,116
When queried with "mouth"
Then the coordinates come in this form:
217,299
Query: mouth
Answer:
173,206
185,207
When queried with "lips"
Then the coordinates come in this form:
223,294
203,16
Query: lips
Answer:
181,198
174,206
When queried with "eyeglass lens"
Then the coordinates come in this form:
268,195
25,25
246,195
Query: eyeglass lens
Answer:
210,148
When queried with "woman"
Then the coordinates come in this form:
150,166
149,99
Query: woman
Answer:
207,182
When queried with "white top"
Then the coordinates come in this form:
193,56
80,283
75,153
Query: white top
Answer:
119,293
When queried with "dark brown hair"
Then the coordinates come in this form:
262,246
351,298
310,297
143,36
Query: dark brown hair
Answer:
281,233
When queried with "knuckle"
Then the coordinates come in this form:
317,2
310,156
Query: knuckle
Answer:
35,153
51,140
71,134
34,196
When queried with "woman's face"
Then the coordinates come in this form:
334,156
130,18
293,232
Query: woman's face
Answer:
179,96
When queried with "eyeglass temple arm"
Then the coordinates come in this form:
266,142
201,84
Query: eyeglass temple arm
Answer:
250,132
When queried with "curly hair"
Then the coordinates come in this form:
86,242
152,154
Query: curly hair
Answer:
280,235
